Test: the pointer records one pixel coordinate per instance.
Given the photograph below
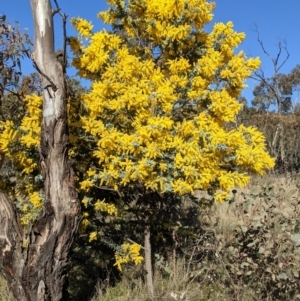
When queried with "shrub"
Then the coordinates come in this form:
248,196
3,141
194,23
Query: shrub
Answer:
264,252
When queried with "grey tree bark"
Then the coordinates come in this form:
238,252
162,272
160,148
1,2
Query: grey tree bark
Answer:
34,263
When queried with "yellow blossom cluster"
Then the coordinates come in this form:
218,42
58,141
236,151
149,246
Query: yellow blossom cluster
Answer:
15,142
84,224
75,44
84,27
93,236
161,20
162,99
19,145
105,207
98,206
8,134
30,208
128,253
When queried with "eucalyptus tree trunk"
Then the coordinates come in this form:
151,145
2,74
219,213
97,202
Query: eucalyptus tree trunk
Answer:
34,262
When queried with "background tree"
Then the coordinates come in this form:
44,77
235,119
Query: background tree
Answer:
294,78
14,46
264,95
274,90
282,92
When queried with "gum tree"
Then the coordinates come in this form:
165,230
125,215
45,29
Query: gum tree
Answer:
34,257
276,90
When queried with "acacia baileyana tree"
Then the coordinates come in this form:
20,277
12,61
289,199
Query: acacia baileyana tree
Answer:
34,257
163,101
160,122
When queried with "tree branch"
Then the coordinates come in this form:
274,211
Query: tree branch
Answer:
64,18
275,61
44,75
287,55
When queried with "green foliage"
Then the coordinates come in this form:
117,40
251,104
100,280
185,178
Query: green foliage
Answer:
90,263
14,46
266,93
264,253
13,106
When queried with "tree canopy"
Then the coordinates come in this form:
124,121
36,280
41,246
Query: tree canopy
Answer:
164,98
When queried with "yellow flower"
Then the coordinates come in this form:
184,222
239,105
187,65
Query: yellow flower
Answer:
105,207
221,196
75,44
91,172
128,253
35,200
83,27
93,236
86,185
160,121
83,225
85,202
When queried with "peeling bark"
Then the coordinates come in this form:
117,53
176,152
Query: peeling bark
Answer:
35,262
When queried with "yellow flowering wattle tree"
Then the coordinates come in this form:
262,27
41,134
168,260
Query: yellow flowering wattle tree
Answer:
160,118
163,101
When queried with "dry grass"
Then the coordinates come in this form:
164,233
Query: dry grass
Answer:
166,289
5,294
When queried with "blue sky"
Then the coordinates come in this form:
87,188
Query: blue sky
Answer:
274,18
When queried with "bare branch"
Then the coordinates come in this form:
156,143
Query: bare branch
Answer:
279,52
57,6
274,87
286,58
262,44
262,78
64,18
108,189
275,61
55,11
44,75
